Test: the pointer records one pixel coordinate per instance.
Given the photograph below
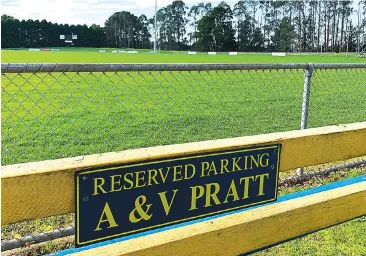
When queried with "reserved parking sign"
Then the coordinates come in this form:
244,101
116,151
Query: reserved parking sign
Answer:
120,200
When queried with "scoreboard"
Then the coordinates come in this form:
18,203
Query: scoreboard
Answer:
68,38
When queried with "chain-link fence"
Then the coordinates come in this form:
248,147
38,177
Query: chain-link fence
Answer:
53,111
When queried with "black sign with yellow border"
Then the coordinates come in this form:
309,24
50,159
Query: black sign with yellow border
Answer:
115,201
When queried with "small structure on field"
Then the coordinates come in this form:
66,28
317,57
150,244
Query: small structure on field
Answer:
69,39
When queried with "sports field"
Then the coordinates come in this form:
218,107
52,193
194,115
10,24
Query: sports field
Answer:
47,116
55,115
87,55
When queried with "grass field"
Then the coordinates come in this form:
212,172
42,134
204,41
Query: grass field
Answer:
48,116
70,55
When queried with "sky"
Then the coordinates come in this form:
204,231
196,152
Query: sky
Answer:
86,11
82,11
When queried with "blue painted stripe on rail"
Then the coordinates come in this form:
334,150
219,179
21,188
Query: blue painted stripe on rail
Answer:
287,197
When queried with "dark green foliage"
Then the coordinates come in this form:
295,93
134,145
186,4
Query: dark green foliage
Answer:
171,25
35,33
215,30
125,30
283,36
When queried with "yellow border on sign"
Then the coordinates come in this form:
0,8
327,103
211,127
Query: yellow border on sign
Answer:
176,221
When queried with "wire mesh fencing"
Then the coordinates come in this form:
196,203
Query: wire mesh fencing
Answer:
52,111
337,96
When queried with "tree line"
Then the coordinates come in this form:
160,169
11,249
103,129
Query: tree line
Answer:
246,26
35,33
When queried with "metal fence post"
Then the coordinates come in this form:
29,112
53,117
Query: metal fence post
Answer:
308,72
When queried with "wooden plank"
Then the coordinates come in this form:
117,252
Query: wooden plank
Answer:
41,189
243,232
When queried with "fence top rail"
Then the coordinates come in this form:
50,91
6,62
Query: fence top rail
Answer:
338,65
119,67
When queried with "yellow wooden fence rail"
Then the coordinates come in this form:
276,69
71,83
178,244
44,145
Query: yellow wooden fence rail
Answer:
246,231
41,189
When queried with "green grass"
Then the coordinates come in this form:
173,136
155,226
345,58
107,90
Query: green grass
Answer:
45,119
48,116
86,55
344,239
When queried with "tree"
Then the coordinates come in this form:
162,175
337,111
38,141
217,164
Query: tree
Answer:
223,32
35,33
265,7
10,32
171,25
205,36
257,43
309,25
143,34
363,25
196,13
283,36
244,27
179,21
165,28
97,36
345,12
126,30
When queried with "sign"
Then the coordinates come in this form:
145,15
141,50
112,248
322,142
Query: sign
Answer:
74,37
120,200
62,37
281,54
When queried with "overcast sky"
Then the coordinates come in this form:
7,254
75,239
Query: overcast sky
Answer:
82,11
85,11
